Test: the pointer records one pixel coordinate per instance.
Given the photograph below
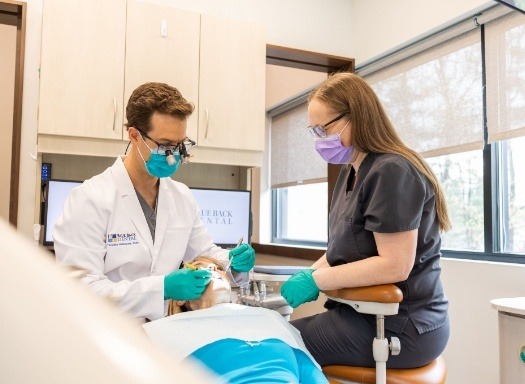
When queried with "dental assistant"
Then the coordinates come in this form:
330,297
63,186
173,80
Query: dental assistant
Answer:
385,219
131,227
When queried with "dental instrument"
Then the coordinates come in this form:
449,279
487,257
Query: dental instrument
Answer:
230,261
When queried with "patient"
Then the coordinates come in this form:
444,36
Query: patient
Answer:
239,343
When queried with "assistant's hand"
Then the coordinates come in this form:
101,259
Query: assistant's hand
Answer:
186,284
242,258
300,288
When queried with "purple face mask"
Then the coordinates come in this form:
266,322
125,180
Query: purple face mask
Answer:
332,150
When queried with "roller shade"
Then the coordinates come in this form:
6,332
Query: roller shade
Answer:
505,60
293,157
435,98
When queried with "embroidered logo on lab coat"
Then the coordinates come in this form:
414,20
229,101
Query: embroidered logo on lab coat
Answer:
116,239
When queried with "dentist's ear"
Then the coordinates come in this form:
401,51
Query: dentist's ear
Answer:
133,134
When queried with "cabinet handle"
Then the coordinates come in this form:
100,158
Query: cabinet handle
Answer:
207,122
114,112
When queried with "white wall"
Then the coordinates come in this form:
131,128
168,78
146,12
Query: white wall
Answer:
472,352
284,83
311,25
380,25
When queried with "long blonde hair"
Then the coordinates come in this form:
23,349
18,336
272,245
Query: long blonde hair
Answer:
372,130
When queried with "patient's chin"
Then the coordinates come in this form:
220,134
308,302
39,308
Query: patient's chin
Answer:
222,296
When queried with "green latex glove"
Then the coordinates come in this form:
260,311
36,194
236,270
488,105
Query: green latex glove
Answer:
186,284
242,258
300,288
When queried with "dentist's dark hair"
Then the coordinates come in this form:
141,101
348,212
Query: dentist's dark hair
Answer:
161,98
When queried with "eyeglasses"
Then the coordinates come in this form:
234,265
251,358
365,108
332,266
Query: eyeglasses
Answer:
182,148
319,131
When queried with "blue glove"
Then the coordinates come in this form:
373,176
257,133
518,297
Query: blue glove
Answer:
242,258
300,288
186,284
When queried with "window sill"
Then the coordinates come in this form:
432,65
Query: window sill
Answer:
295,252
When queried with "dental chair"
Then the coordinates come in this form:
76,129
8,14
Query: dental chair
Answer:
381,301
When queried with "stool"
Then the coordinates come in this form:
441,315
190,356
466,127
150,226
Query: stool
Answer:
381,301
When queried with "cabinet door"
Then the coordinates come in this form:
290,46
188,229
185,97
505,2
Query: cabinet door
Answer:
232,84
162,45
81,70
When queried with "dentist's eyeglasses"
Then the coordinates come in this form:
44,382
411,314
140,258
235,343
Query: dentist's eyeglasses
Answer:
319,131
183,147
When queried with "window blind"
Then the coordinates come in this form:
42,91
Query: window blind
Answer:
435,98
505,61
293,157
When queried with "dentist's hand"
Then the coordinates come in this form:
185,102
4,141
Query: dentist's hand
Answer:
300,288
186,284
242,258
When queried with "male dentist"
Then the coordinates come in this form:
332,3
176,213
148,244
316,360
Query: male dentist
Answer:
131,227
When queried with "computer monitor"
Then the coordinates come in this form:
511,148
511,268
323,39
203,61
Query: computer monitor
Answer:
57,192
226,214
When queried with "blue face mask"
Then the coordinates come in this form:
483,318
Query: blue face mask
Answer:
158,165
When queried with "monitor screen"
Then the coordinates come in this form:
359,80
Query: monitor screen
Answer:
57,192
226,214
518,5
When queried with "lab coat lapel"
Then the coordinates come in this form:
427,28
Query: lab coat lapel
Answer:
164,207
131,202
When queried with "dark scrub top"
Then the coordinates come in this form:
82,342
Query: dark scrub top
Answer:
391,195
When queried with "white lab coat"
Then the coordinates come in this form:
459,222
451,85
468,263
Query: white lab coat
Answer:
103,231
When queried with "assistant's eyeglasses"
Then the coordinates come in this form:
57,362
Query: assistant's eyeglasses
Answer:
320,131
183,147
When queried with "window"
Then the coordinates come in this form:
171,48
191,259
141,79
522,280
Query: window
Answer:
298,180
461,177
436,99
505,66
300,215
511,196
458,98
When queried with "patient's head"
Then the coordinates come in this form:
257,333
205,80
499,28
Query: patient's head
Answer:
217,291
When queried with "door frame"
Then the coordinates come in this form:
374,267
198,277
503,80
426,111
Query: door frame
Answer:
19,10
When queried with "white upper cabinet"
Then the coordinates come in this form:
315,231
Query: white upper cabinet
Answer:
162,45
231,84
95,53
81,71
